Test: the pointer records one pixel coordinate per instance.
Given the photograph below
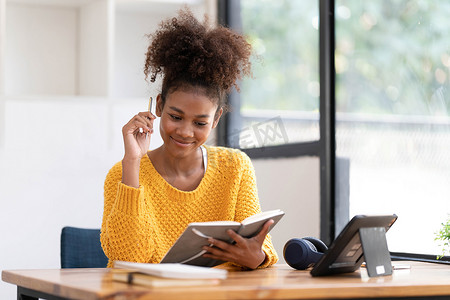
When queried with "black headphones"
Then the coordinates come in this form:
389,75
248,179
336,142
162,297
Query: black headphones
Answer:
303,253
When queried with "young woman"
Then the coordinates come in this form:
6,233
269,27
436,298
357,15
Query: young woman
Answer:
151,196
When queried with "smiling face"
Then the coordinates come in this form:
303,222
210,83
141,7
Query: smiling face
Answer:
187,118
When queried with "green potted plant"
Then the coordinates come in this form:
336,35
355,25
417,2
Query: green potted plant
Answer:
443,236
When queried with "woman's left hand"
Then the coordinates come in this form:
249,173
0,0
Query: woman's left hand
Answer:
245,252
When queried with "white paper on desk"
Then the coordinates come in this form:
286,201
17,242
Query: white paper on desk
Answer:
173,270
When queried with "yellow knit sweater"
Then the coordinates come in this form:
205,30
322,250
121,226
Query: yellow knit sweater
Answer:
141,224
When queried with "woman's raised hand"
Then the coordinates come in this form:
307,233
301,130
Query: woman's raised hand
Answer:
137,134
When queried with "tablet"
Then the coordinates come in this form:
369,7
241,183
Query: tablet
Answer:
346,253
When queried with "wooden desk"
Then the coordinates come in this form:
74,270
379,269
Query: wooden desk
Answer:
430,281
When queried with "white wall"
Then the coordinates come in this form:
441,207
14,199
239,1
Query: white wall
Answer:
35,63
292,185
129,56
95,51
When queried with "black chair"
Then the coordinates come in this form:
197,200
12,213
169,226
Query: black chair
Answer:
81,248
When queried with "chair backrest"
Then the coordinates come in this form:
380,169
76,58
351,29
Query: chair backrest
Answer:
81,248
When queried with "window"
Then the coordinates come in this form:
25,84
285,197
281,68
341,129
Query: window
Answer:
393,114
280,104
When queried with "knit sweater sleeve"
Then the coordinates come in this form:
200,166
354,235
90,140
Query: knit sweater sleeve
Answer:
125,232
248,205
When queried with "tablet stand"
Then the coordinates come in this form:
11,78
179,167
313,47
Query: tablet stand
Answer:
376,253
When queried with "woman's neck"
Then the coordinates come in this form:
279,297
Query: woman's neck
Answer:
170,166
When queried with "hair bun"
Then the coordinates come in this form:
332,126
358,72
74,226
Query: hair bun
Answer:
185,48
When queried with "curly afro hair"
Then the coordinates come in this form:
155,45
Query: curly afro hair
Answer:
189,54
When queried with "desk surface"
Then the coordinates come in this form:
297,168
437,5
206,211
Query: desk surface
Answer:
277,282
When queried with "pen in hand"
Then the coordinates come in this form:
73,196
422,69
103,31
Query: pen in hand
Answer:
150,104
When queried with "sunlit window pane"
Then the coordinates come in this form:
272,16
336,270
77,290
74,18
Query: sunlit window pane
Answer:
393,114
280,104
